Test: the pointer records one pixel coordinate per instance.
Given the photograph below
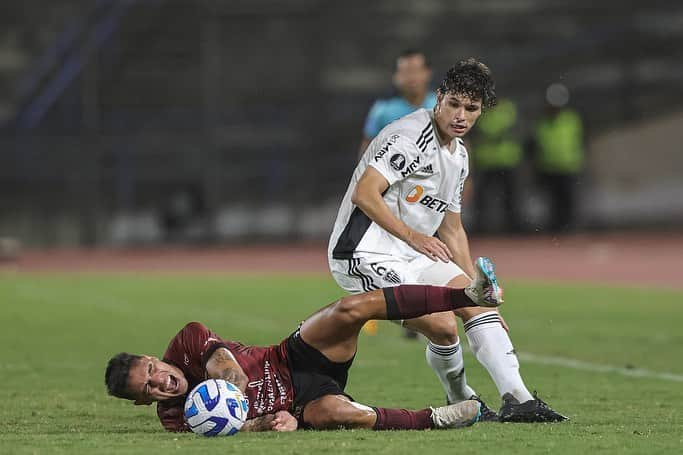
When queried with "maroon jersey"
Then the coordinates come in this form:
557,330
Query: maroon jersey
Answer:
270,384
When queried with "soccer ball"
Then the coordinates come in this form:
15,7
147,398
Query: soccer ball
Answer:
215,408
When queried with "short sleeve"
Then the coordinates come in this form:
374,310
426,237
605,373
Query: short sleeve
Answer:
455,204
373,122
396,158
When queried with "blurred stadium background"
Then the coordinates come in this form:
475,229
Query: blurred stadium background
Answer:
219,136
143,122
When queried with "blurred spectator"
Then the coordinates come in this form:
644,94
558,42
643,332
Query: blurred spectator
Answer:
559,156
497,154
411,78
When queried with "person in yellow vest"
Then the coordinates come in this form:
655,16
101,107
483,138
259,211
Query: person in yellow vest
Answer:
497,155
559,157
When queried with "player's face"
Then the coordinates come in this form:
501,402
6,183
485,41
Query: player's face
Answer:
150,380
412,75
455,115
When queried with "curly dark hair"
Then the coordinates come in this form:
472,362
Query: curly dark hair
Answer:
473,79
116,376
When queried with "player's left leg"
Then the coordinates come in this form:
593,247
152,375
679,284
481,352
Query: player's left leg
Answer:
332,412
333,330
492,346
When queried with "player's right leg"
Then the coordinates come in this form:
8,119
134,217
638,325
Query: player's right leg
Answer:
333,330
331,412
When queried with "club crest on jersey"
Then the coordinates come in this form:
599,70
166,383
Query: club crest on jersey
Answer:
398,161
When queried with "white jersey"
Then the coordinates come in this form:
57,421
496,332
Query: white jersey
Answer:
425,179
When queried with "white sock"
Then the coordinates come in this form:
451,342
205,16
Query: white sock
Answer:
492,347
449,366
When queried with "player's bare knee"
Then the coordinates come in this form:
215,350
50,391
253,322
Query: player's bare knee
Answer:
350,309
442,330
323,414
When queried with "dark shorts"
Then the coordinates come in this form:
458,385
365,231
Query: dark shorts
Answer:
313,374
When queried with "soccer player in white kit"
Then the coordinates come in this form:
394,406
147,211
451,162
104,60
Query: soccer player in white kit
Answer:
406,188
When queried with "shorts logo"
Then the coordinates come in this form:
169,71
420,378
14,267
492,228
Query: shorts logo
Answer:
389,275
398,161
415,194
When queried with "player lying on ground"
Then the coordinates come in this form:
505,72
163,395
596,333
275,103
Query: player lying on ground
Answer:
300,382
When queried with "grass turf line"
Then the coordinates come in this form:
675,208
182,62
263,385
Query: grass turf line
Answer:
58,332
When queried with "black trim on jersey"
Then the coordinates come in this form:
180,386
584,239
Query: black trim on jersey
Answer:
423,147
425,138
392,306
353,233
424,131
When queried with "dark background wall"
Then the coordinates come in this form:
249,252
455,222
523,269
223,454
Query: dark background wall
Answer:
148,121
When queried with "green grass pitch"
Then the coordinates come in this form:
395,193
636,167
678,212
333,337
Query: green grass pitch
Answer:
58,331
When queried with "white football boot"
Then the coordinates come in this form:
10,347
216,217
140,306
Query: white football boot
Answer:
484,289
456,415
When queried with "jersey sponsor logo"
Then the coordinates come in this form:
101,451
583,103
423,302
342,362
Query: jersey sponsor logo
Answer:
415,194
389,275
385,148
269,391
398,162
427,169
411,167
431,202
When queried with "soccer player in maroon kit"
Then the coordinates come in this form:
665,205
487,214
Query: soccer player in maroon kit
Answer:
299,382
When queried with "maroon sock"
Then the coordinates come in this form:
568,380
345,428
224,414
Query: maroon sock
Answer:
409,301
402,419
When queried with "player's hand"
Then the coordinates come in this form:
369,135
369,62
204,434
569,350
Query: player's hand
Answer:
430,246
284,421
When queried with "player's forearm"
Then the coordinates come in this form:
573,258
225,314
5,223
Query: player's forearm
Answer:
263,423
458,243
373,205
238,378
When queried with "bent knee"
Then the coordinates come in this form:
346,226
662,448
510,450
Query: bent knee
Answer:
441,328
350,309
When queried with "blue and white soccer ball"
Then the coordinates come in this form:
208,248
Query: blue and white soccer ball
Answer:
216,408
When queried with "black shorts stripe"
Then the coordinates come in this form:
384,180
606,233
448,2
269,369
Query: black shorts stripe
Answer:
366,280
352,272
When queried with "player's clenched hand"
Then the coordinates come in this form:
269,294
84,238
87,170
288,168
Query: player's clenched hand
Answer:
430,246
284,421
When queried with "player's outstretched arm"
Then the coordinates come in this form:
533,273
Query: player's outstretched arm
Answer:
222,365
280,421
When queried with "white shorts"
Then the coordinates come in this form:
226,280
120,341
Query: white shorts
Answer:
370,272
